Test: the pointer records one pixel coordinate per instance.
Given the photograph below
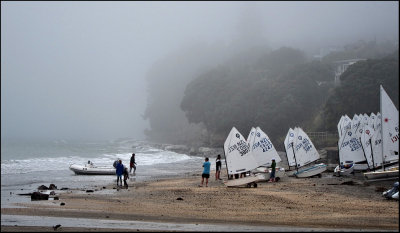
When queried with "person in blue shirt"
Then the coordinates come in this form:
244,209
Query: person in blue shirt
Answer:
206,172
119,171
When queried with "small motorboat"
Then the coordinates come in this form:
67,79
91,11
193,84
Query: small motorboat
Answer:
346,169
90,169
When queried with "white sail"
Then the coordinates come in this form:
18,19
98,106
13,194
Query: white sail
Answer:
371,120
378,121
339,126
304,150
345,126
366,136
390,128
262,149
350,148
251,135
365,119
376,141
237,154
288,147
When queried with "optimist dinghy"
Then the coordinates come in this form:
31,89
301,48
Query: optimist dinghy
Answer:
301,153
90,169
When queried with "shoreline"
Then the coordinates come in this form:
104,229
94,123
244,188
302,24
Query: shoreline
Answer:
310,203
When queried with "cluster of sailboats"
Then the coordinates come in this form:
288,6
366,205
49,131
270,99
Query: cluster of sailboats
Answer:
253,156
367,143
370,143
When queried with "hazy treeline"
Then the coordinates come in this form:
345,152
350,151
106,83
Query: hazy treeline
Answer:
214,90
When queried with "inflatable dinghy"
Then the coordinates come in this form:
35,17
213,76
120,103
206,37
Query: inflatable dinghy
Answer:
90,169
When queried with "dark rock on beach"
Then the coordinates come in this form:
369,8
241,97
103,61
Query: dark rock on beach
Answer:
42,187
36,196
52,186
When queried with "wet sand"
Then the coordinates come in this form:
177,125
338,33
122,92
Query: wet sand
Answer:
324,203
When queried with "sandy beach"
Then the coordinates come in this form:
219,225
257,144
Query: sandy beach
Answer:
328,203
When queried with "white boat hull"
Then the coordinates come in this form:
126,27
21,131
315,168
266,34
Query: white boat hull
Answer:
381,174
361,166
245,180
343,171
266,172
91,170
310,171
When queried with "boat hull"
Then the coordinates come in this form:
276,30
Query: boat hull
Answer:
343,171
310,171
381,174
266,172
85,170
245,180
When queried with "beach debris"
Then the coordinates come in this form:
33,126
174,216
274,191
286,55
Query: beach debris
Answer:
39,196
62,203
56,226
89,191
64,188
179,199
56,198
52,193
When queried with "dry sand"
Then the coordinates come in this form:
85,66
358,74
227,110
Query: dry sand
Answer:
327,202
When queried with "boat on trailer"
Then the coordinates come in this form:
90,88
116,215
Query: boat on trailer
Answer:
264,152
239,161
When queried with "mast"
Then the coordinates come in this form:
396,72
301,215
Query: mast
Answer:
297,169
226,164
365,156
380,100
372,154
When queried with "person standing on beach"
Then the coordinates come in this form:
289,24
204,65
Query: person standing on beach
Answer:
132,164
119,171
126,176
272,176
218,168
206,172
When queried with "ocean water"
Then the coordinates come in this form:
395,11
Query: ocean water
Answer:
27,165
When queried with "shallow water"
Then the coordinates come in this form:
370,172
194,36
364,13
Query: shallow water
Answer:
21,220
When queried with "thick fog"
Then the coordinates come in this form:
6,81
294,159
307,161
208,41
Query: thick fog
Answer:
76,70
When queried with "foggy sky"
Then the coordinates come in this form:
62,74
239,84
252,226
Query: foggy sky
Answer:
76,70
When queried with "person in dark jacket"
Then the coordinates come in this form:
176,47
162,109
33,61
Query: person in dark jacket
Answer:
126,176
272,176
119,171
218,168
132,164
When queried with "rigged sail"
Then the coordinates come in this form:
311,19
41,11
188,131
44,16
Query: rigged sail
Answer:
366,137
237,154
350,148
371,120
251,135
339,126
304,150
262,149
376,141
288,147
390,128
